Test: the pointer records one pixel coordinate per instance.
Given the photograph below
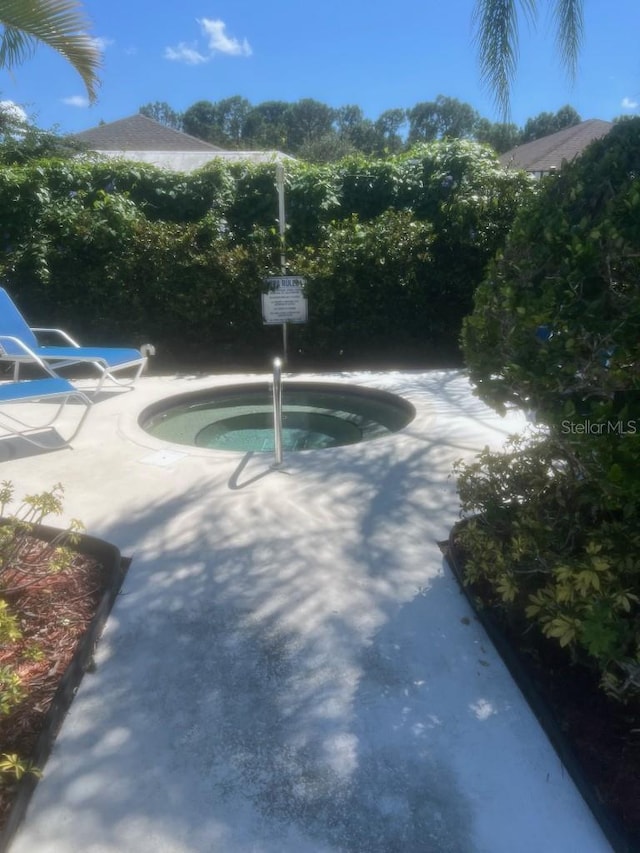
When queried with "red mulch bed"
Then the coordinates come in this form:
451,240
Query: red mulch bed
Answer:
54,608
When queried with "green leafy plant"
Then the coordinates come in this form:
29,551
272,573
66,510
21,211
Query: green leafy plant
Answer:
11,690
542,547
555,330
11,765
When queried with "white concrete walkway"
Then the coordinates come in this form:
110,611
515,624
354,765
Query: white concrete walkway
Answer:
290,667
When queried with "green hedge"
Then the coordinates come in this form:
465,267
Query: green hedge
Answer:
392,249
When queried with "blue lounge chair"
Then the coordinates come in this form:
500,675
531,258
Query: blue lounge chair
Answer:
52,389
19,345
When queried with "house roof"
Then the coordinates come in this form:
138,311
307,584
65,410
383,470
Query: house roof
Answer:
145,140
140,133
549,152
188,161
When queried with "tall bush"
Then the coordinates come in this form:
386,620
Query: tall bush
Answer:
558,314
556,329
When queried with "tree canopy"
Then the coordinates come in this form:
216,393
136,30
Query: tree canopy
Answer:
314,131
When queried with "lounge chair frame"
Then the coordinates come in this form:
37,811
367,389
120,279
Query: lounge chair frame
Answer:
21,346
54,389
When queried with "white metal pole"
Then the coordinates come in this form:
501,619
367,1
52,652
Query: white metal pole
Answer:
277,412
281,217
283,251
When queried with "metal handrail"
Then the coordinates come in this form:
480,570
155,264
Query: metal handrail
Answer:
277,411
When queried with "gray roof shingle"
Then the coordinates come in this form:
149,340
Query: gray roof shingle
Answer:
549,152
140,133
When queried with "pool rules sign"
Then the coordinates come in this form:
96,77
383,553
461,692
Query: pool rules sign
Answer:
283,300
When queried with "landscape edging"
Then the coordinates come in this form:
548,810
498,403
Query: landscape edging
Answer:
115,567
619,838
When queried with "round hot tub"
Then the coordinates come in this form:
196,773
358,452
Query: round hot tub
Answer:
315,415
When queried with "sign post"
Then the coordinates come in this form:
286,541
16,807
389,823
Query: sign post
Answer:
283,246
283,298
281,217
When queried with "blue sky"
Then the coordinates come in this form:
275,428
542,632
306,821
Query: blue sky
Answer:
373,54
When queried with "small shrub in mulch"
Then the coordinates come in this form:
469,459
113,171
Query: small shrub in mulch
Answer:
56,589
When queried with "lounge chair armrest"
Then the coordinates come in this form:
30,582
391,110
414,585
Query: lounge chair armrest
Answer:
25,350
66,337
4,339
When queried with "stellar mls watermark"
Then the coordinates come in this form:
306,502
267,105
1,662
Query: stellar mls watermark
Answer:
609,427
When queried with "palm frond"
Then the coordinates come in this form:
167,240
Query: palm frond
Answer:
15,47
496,25
60,24
570,29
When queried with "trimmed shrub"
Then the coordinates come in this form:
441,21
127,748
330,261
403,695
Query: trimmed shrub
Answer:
556,329
393,249
368,285
558,314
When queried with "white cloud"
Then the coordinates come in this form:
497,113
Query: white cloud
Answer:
217,42
76,101
629,104
184,53
101,43
220,42
13,111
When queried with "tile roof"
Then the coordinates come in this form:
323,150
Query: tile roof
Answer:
549,152
140,133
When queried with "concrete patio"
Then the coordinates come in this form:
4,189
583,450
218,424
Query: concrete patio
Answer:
290,666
